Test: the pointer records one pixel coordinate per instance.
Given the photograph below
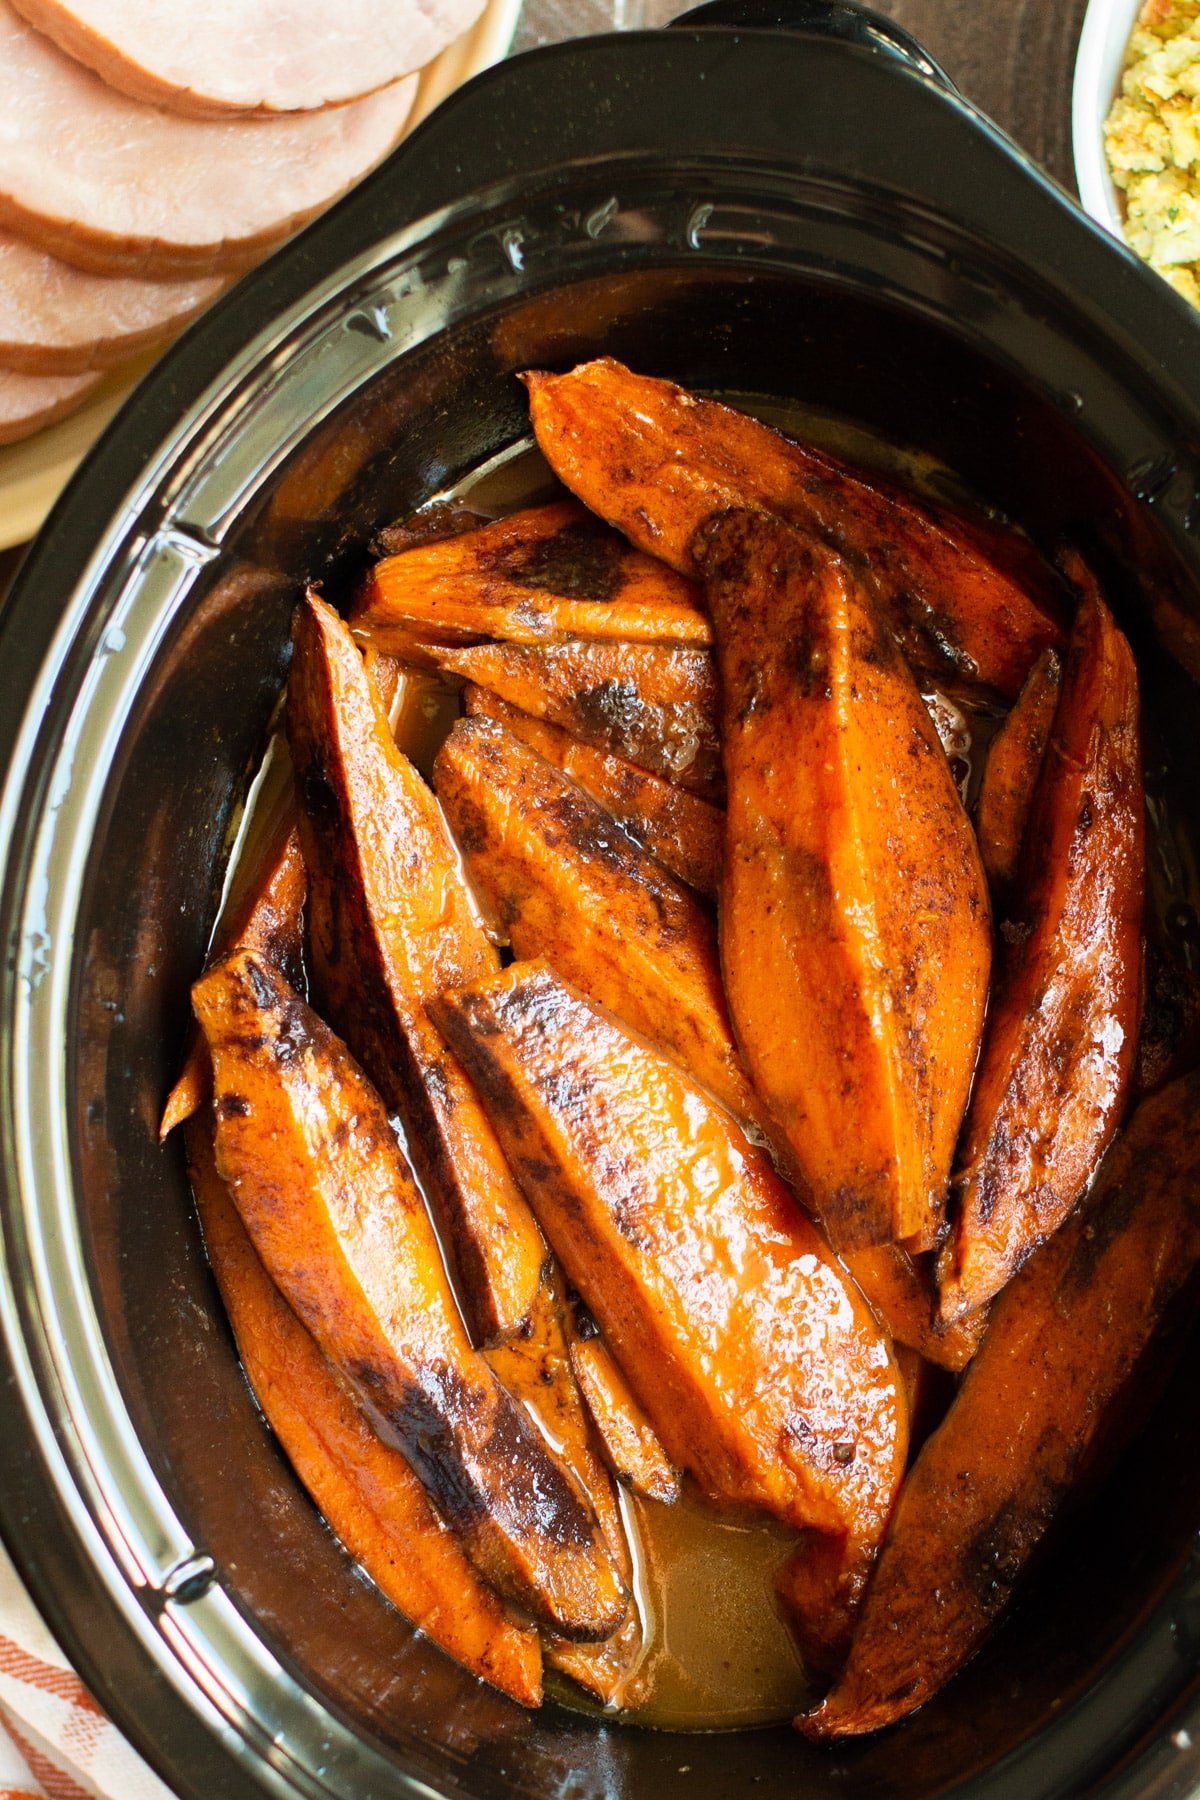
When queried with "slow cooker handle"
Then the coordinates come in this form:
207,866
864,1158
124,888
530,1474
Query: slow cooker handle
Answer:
820,18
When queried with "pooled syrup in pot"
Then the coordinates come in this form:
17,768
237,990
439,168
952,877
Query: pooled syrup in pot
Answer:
718,1653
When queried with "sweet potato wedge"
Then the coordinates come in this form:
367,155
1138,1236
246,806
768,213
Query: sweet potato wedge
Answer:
317,1175
365,1490
967,603
551,572
391,924
269,920
680,830
631,1444
855,930
264,903
535,1367
901,1294
759,1365
612,1672
820,1589
1011,771
653,704
1063,1339
1062,1032
567,884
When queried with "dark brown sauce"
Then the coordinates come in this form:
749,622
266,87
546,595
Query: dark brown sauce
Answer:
719,1655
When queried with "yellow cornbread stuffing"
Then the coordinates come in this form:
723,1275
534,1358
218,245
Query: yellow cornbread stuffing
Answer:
1152,138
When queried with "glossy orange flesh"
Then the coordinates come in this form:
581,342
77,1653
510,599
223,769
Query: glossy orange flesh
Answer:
566,883
631,1445
965,601
653,704
1011,771
391,925
315,1171
901,1294
679,829
1062,1031
760,1367
855,930
1063,1339
551,572
820,1589
365,1490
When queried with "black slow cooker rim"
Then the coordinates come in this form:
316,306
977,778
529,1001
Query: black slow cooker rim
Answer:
56,1564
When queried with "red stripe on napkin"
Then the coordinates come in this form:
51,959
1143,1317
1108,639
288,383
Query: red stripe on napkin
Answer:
55,1782
60,1682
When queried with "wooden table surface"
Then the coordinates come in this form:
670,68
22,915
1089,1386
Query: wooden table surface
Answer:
1013,58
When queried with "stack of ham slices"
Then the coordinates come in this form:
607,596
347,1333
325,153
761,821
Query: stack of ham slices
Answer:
147,156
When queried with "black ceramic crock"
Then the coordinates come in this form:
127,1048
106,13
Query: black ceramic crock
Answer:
806,212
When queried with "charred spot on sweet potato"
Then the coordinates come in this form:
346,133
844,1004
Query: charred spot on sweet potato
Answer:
582,561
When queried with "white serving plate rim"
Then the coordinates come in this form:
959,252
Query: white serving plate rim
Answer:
1107,26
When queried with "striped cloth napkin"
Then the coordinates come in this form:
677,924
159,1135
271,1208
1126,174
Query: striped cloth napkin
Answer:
55,1743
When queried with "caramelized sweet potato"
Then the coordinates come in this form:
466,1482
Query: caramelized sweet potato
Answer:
270,920
1063,1339
612,1672
316,1173
535,1367
965,601
855,932
1011,772
1062,1031
631,1444
369,1496
391,924
820,1588
680,830
567,884
552,572
654,704
901,1294
759,1365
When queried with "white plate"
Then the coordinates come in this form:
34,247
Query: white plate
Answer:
34,472
1107,28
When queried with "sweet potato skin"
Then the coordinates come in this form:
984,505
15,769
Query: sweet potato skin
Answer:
653,704
364,1489
271,921
567,884
761,1369
537,1369
855,928
966,603
391,924
546,573
680,830
1010,774
1063,1339
1062,1033
314,1169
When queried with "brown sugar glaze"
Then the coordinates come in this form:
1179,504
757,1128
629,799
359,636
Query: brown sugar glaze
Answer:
718,1653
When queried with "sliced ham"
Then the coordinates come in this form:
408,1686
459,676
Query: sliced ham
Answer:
59,320
251,55
27,402
110,184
